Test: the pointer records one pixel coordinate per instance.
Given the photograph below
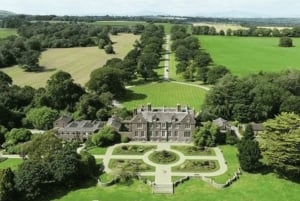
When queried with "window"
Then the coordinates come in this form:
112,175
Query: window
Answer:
157,133
136,133
157,125
169,133
187,134
175,133
151,125
142,134
163,133
150,133
163,125
139,125
187,125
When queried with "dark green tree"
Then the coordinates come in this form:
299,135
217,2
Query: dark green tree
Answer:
7,185
215,73
42,118
108,79
285,42
61,91
106,136
249,155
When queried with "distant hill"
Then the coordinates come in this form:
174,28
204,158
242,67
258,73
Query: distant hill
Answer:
6,13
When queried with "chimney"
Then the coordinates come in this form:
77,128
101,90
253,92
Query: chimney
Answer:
135,111
178,108
149,109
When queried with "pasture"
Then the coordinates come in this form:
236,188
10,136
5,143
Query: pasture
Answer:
246,55
79,62
164,94
7,32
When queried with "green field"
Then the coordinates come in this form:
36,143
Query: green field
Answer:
7,32
12,163
251,187
164,94
245,55
79,62
97,150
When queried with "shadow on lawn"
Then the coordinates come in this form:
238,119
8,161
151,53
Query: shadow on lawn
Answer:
132,96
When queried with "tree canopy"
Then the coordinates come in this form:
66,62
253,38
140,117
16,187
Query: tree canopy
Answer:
281,144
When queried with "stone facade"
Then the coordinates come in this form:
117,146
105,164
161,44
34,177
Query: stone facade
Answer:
161,124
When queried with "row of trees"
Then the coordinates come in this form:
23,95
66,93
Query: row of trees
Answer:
193,62
51,165
251,31
253,98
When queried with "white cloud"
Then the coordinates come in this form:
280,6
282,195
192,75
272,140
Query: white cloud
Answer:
138,7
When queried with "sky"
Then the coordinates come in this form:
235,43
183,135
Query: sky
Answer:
214,8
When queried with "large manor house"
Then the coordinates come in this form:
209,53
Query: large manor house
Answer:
147,124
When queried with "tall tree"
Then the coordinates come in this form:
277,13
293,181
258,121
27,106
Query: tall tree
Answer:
6,185
62,92
249,155
281,144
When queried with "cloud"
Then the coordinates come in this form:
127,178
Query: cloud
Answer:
139,7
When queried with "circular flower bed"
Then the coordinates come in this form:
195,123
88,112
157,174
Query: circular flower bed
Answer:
163,157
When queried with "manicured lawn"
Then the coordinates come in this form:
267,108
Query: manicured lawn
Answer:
12,163
7,32
197,166
254,187
130,165
79,62
132,149
164,94
245,55
97,150
194,151
230,155
163,157
106,177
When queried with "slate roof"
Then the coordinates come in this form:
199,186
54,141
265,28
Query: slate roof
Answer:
115,122
257,126
221,123
64,118
82,126
166,114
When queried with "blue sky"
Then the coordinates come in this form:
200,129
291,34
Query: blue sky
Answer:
255,8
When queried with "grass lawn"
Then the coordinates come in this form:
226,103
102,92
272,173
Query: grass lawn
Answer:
79,62
230,155
254,187
132,149
193,151
197,166
164,94
12,163
106,177
7,32
130,165
245,55
97,150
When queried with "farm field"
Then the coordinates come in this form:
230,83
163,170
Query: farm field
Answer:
164,94
246,55
79,62
221,26
7,32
